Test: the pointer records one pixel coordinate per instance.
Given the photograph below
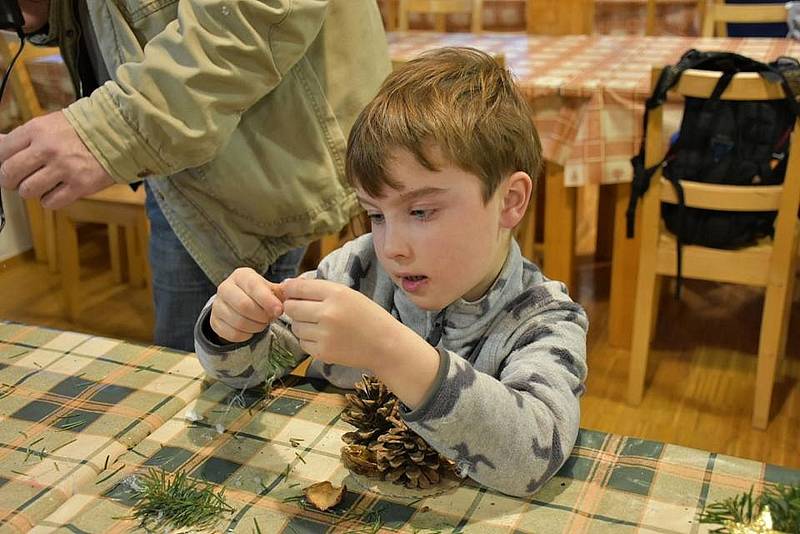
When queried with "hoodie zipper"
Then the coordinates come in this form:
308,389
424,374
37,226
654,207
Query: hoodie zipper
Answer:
435,335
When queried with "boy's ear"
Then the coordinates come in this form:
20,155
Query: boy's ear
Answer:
516,195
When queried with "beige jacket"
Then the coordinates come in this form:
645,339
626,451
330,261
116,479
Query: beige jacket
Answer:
237,113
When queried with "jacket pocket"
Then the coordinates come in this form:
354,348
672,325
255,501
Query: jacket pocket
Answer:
282,171
148,18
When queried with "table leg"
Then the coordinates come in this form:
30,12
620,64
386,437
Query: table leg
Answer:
606,206
624,271
559,226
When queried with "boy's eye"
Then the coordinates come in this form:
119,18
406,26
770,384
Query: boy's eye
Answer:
422,215
375,218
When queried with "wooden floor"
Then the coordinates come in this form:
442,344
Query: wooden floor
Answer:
702,368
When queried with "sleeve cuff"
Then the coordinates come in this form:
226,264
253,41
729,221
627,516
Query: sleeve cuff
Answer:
110,138
421,411
211,343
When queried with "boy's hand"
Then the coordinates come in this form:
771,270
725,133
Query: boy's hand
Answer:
337,324
246,304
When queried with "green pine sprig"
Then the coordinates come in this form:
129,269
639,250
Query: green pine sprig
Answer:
783,502
279,359
784,506
177,501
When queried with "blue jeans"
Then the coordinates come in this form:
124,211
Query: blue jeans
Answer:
181,288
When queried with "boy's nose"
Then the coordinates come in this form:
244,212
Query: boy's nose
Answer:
395,242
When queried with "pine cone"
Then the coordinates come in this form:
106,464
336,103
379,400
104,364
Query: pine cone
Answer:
367,410
384,446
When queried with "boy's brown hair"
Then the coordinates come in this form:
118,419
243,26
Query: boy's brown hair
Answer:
459,100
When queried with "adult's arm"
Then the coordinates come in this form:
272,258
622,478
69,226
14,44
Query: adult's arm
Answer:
178,105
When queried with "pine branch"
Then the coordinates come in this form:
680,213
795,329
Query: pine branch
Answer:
784,505
177,501
279,359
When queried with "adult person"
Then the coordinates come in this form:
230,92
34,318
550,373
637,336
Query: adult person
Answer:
235,114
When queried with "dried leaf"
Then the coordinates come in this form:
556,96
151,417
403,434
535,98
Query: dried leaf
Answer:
324,495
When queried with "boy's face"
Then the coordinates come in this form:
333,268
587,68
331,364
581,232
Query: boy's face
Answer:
434,235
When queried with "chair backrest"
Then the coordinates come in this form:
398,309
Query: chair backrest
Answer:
440,9
20,80
784,198
650,18
718,13
560,17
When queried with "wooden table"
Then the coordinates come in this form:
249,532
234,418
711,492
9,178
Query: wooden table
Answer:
81,415
587,95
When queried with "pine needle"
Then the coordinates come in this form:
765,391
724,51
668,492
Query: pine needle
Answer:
70,426
177,502
279,359
783,502
117,470
73,440
784,505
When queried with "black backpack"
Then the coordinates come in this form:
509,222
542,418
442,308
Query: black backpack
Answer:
721,142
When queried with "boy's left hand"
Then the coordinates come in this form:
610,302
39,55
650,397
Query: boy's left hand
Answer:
337,324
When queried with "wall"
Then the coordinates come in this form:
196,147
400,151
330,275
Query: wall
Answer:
15,237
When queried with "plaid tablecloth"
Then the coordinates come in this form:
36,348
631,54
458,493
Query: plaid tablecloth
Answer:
588,92
612,17
67,402
264,451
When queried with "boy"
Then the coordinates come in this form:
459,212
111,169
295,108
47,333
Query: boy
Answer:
486,355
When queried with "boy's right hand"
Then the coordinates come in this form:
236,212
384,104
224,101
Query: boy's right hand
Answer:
246,304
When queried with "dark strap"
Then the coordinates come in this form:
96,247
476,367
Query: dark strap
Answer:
641,175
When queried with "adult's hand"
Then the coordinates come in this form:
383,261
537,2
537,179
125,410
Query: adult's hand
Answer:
45,159
36,13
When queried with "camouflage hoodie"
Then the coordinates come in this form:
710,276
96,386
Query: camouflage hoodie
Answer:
505,402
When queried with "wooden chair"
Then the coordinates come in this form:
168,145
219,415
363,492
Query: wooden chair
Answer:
717,14
41,220
650,18
113,207
440,9
769,264
122,209
560,17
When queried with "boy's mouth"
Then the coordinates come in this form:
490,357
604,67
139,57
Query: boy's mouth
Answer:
412,283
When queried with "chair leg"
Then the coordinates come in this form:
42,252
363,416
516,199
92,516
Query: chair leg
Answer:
771,344
606,206
50,239
115,253
559,227
143,237
69,263
658,286
135,274
645,310
37,226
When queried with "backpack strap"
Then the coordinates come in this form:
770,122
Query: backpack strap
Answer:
786,71
670,76
707,114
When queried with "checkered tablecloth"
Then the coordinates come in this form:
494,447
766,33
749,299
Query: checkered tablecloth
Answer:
67,402
612,17
264,451
588,92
